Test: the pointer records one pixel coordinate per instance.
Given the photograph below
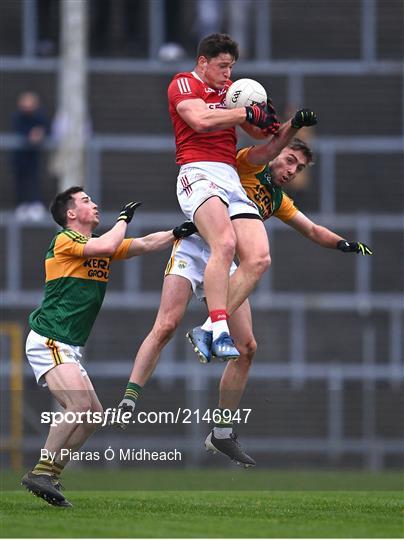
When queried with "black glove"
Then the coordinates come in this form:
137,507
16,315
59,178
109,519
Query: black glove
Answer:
127,211
354,247
274,127
304,117
263,116
185,229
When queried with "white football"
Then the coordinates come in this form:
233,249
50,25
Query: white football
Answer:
245,92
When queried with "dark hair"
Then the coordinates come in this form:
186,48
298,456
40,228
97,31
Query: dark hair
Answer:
298,144
215,44
61,203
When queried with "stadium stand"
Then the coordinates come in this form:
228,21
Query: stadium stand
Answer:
327,385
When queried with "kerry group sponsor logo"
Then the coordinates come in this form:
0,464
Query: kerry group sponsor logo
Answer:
97,268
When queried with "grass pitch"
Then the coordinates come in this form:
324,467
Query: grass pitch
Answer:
208,514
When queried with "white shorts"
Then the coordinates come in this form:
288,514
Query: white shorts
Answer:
44,354
188,259
197,182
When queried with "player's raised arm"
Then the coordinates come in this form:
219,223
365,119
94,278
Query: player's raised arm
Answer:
261,155
202,119
160,240
324,237
108,243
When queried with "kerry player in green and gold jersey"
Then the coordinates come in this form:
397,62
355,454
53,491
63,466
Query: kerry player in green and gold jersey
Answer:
77,268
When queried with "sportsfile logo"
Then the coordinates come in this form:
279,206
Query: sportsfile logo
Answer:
109,417
116,416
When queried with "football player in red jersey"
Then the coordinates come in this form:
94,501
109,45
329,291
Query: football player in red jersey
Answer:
208,188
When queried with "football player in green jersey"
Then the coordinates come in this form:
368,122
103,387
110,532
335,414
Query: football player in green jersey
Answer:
77,270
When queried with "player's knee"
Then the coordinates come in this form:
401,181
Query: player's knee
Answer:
247,351
257,264
225,245
261,263
264,263
97,408
80,403
226,251
229,249
164,330
251,348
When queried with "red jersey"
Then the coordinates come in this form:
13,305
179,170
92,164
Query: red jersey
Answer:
190,145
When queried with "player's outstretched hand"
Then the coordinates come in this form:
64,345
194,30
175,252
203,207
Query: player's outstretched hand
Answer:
127,211
263,116
354,247
304,117
185,229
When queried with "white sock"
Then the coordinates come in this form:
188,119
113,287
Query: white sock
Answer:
219,327
207,325
222,432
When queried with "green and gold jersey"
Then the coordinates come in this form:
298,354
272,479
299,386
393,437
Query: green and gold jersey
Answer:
74,288
269,199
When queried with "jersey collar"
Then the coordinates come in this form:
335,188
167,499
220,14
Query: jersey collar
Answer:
194,74
266,178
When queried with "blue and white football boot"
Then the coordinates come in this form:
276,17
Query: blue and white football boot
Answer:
223,348
201,340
